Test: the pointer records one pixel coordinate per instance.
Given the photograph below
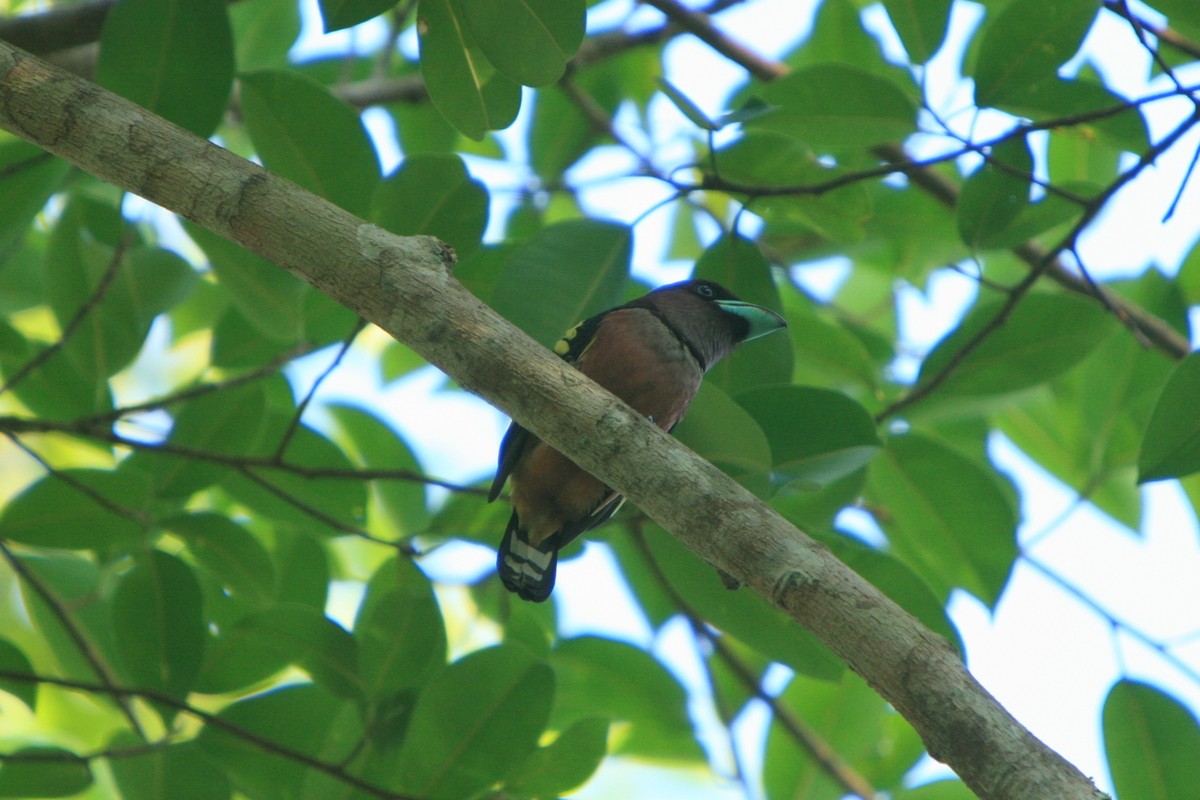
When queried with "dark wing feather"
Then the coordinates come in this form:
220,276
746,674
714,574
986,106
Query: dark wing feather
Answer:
570,348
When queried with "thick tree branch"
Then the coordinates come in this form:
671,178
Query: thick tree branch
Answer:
404,285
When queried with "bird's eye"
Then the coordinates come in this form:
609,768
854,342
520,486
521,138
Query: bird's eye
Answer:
705,291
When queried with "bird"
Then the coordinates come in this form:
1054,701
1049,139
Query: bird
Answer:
651,352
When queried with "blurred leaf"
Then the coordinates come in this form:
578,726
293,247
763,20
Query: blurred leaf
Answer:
268,297
993,197
1152,742
399,629
564,764
921,24
229,422
945,516
433,194
57,388
303,719
13,660
838,107
263,32
264,642
853,721
1044,336
28,177
159,626
817,436
78,509
766,159
175,57
462,83
474,721
180,772
338,14
1025,43
31,772
375,445
649,714
306,135
530,41
312,501
229,552
721,431
563,275
1171,448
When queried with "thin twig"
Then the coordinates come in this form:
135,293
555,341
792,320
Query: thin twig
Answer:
817,748
267,745
81,313
294,425
90,654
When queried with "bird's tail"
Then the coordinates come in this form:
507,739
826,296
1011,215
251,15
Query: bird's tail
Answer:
524,568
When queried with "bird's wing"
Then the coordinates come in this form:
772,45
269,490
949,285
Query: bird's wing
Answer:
571,347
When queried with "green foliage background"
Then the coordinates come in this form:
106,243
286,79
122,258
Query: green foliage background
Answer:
171,524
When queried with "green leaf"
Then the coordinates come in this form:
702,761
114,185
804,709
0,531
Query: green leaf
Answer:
1043,337
159,625
993,197
921,24
298,499
827,354
28,177
65,510
854,722
951,789
473,721
1025,43
400,633
13,660
263,642
837,107
175,57
229,552
1171,447
817,436
773,160
271,299
593,677
721,431
562,275
180,772
564,764
263,32
462,83
57,388
43,772
742,614
303,719
374,445
530,41
1152,742
945,516
338,14
433,194
306,135
1057,98
739,265
229,422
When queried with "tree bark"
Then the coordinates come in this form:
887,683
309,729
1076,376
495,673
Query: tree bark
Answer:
405,286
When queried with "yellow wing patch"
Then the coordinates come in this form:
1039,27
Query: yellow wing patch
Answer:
563,345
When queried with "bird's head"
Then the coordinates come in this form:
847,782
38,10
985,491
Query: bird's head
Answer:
709,318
